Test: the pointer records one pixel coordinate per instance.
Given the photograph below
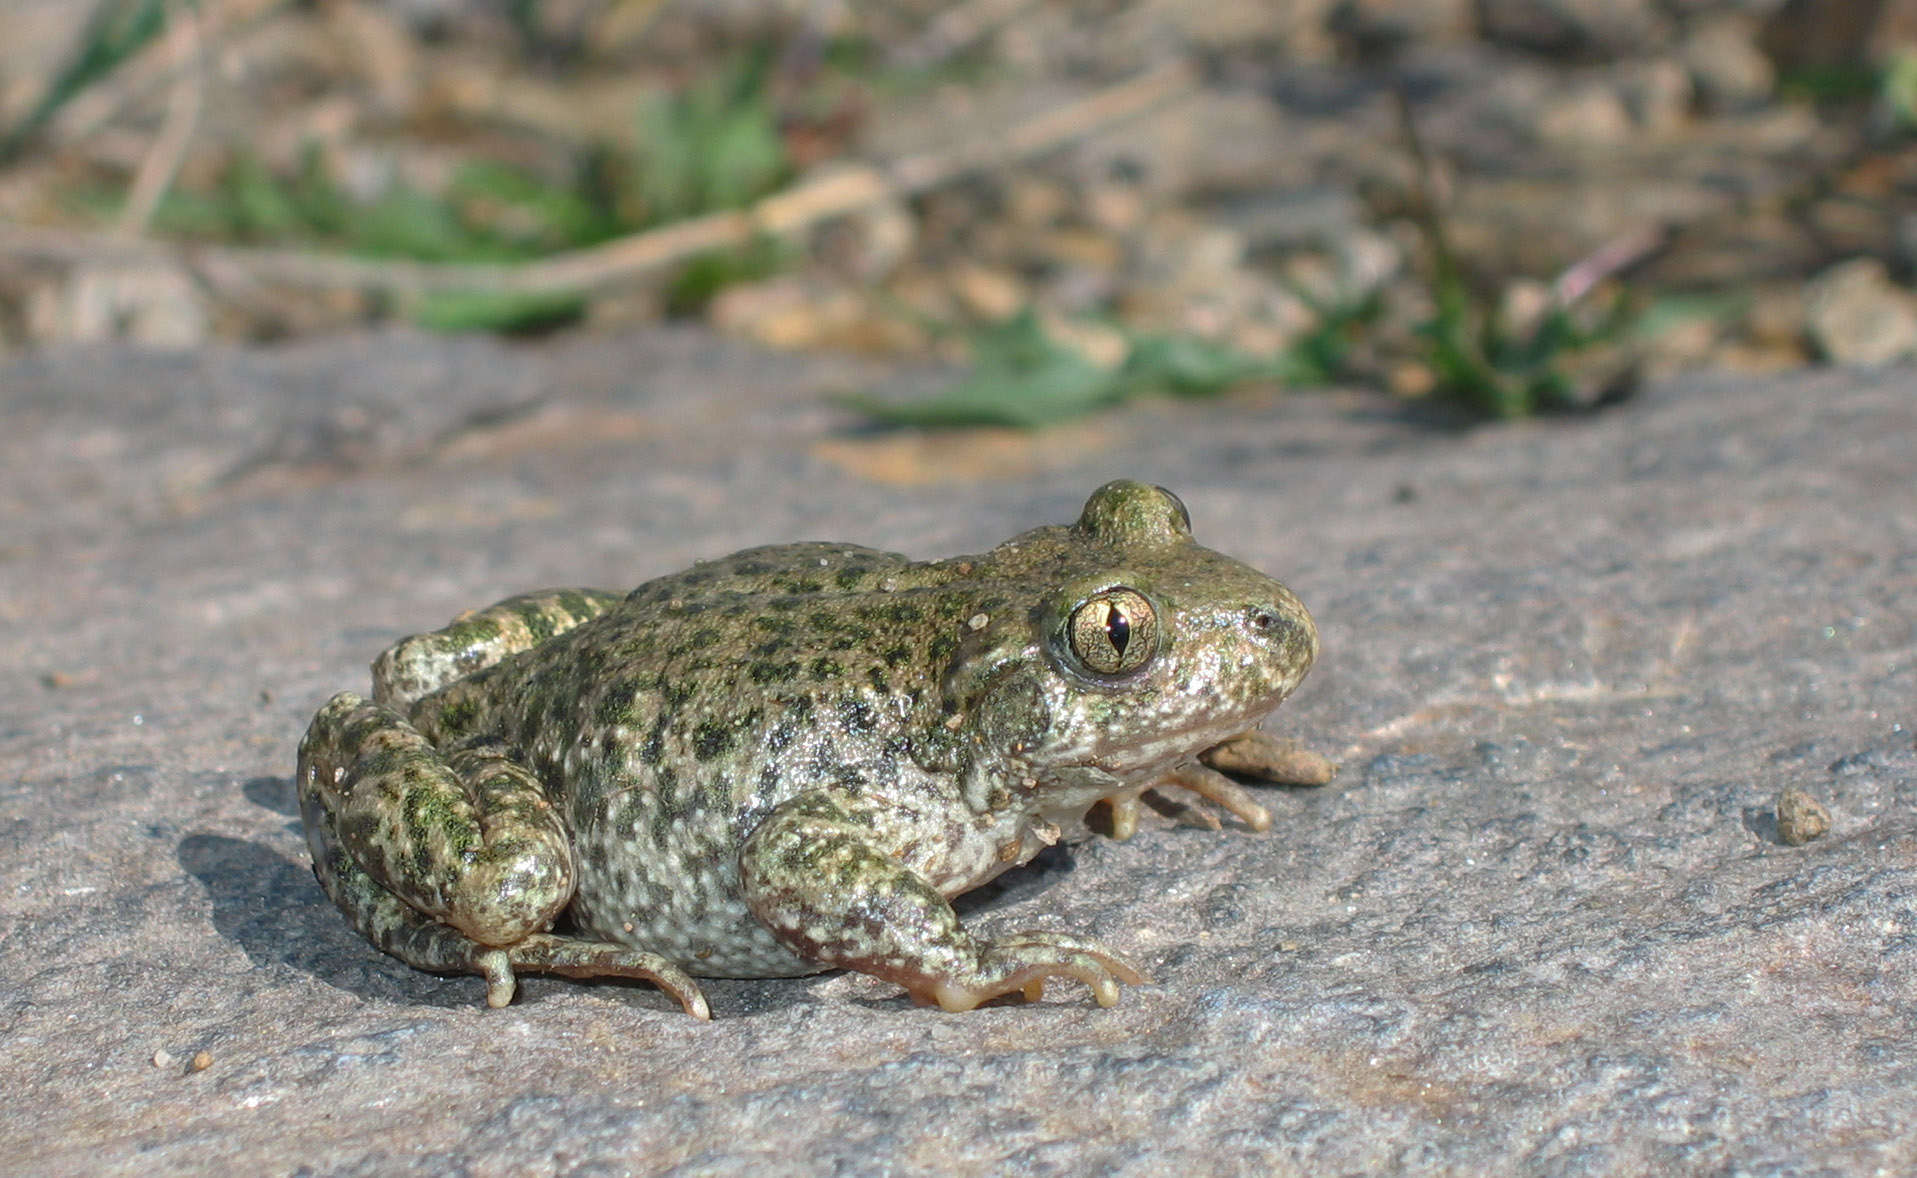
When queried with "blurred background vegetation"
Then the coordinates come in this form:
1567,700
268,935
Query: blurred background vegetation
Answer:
1509,206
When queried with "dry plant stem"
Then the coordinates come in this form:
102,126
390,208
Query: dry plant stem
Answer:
1430,214
382,50
163,160
956,29
640,257
139,79
1613,257
625,22
1048,131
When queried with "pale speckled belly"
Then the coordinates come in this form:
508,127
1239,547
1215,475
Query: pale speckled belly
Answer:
670,884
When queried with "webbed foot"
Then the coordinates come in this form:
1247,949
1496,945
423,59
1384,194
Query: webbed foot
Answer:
546,953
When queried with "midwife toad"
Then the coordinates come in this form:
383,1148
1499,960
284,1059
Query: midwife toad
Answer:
787,760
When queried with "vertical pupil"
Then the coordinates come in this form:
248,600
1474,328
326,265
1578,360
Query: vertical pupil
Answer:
1118,628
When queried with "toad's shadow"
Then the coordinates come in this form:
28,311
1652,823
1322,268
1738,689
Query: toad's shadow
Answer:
273,910
271,907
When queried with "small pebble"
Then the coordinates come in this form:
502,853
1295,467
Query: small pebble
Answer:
163,1059
1800,817
202,1060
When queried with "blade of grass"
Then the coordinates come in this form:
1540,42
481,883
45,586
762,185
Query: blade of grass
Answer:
1023,377
116,31
512,314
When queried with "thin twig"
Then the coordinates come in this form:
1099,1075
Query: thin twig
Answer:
1048,131
90,24
955,30
626,22
637,258
1615,256
163,160
139,79
1430,212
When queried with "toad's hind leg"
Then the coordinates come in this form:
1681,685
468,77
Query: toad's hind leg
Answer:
424,943
424,663
453,863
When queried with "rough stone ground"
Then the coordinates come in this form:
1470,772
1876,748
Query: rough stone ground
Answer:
1542,923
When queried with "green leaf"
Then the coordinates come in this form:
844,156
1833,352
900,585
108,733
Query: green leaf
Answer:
705,275
189,214
1667,312
746,159
1043,396
1321,356
1020,377
518,208
115,32
1897,90
326,208
715,145
1023,377
404,223
263,209
496,311
1186,366
1839,82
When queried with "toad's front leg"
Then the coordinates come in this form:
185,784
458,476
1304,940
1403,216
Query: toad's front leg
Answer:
816,875
1252,754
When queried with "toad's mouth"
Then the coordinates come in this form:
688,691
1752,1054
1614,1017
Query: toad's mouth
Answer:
1097,773
1150,759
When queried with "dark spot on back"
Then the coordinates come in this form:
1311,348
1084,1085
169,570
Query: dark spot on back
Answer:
711,739
654,749
771,672
615,705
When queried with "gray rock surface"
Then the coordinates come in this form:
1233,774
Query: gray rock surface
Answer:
1542,923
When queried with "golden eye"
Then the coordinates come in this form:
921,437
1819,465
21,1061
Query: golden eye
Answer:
1114,632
